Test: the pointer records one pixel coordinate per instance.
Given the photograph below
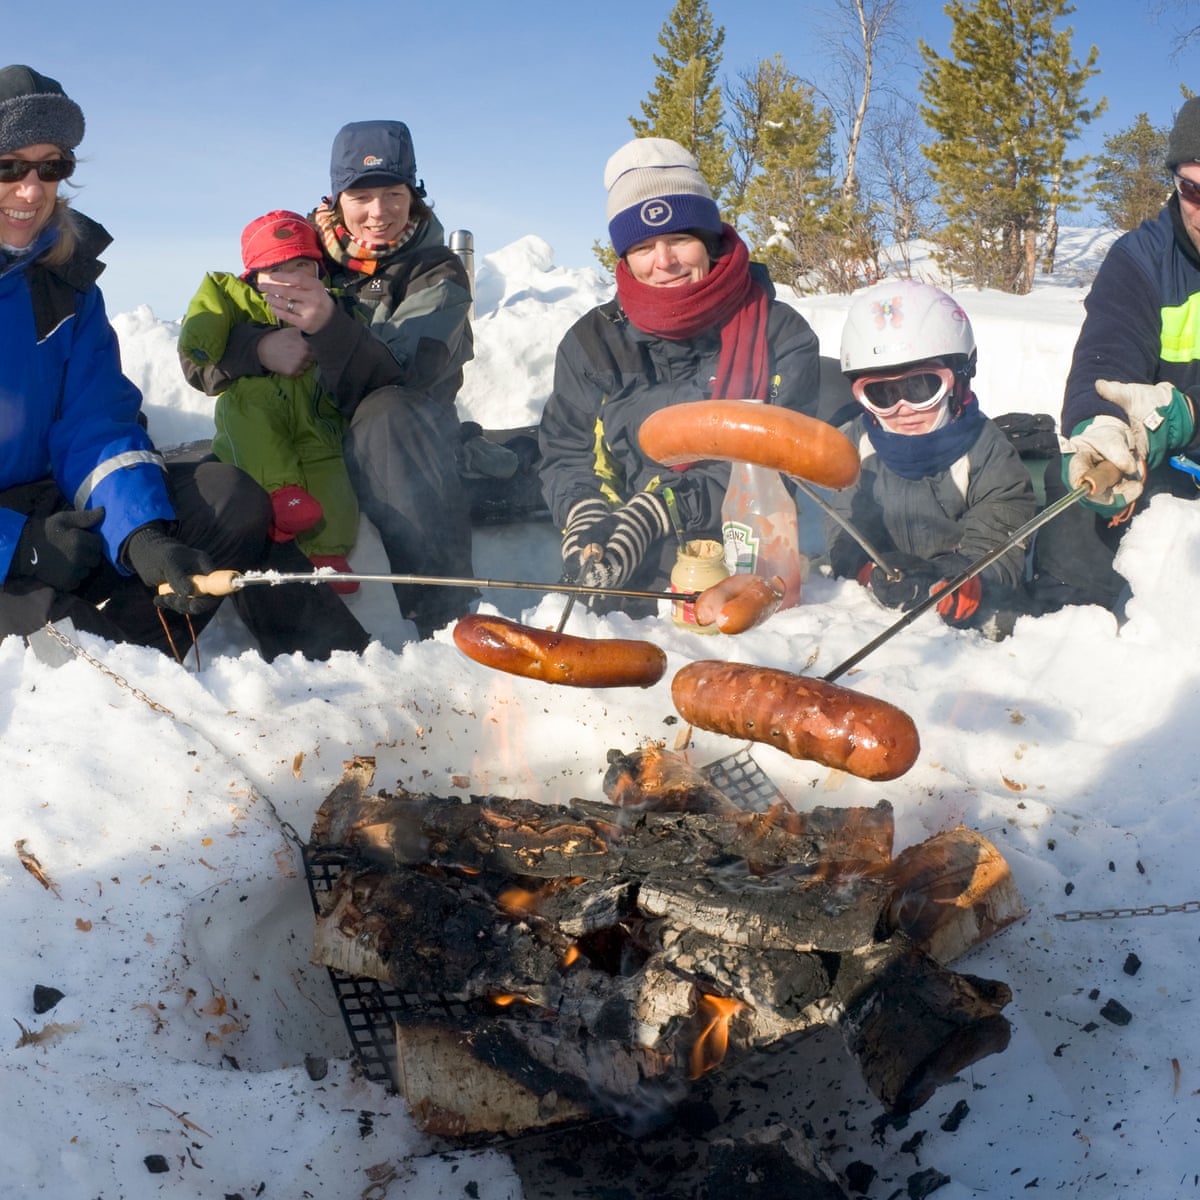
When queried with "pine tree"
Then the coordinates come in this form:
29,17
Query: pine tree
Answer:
1133,182
790,201
1004,106
685,102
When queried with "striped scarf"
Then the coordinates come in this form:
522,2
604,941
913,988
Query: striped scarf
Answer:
344,249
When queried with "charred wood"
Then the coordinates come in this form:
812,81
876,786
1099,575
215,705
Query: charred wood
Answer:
597,958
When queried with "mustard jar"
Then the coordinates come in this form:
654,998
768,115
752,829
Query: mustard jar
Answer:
699,565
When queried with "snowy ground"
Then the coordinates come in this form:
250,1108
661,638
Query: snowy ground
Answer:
177,922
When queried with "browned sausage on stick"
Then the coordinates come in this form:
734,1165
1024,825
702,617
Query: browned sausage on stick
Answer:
747,431
739,603
558,657
806,718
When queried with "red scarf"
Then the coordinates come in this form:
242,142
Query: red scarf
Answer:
727,298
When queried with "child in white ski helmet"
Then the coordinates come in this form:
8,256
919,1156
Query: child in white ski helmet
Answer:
941,485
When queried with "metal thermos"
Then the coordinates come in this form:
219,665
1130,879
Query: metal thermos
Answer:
462,242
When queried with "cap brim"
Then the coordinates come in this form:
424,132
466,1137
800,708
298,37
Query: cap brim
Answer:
374,179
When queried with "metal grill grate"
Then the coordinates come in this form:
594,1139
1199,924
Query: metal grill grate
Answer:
369,1008
744,781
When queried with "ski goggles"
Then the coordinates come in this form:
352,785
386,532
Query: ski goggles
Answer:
50,170
922,388
1188,189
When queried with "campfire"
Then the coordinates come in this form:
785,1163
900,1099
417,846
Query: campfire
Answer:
554,964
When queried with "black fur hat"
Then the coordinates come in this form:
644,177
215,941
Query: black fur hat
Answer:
35,109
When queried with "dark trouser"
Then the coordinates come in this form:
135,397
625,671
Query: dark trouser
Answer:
219,510
308,618
1073,554
401,450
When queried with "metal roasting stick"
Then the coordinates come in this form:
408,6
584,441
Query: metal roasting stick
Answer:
566,612
589,552
1096,480
224,583
828,509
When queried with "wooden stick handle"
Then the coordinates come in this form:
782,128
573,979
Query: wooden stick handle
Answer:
218,583
1103,476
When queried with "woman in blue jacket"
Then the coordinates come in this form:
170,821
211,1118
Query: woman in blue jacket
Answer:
90,515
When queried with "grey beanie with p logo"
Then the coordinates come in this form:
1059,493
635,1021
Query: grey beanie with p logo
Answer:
655,186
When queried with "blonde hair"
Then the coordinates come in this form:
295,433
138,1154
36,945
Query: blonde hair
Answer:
68,234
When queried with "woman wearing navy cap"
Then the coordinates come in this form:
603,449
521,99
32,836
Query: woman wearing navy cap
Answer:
394,367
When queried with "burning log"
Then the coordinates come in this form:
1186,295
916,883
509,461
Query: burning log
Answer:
588,960
428,1055
951,893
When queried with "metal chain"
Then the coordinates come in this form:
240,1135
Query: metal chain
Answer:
1150,910
119,680
288,828
1081,914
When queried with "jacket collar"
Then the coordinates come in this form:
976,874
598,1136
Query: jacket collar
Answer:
83,268
1182,238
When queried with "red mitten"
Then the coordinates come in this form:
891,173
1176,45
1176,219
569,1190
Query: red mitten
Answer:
960,606
295,511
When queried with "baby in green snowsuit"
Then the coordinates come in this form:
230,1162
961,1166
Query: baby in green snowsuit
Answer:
283,430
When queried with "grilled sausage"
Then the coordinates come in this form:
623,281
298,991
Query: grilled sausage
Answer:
558,657
739,602
747,431
806,718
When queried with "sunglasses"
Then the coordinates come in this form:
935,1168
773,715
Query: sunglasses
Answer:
50,170
1188,189
922,387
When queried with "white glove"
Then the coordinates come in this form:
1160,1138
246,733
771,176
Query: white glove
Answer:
1108,439
1144,402
1159,412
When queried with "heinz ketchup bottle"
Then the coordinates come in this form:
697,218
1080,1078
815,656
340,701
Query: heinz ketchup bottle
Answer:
761,530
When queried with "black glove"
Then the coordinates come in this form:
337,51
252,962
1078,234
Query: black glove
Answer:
639,524
846,557
158,558
915,577
590,522
59,549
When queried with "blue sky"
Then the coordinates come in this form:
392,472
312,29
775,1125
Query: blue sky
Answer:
202,116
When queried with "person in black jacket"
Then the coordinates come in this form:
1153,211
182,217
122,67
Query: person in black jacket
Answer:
391,357
693,319
1133,385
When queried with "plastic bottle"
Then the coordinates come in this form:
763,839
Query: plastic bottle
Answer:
761,529
699,565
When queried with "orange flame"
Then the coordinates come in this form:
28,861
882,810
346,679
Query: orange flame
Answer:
504,999
516,901
713,1042
571,955
501,757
